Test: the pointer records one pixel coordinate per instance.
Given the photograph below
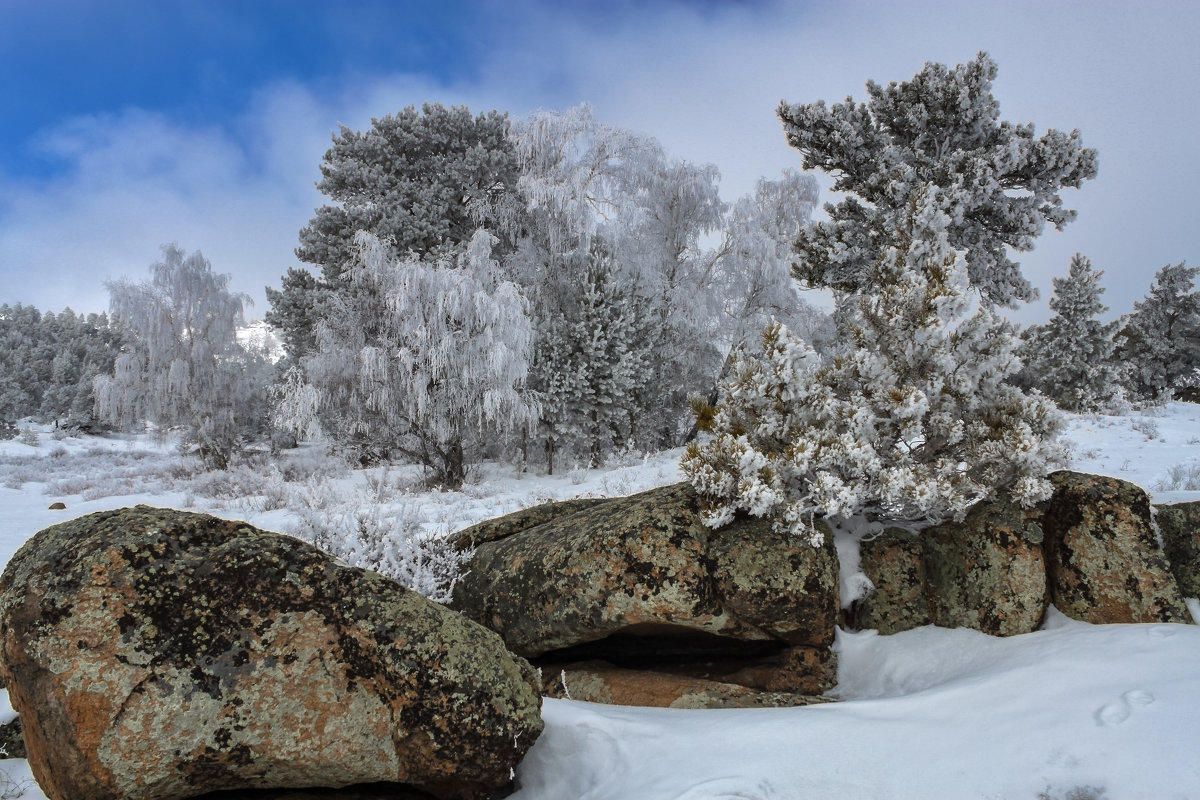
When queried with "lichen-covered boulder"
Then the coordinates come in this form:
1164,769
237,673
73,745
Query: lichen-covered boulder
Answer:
778,584
647,564
158,654
987,572
1179,524
509,524
1103,560
895,564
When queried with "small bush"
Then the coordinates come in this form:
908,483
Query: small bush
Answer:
7,430
28,436
1146,427
1181,477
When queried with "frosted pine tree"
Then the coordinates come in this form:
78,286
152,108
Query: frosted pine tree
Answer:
426,360
1159,343
1070,358
184,365
422,181
909,417
1001,183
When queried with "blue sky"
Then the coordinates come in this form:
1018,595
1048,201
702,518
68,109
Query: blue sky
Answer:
130,124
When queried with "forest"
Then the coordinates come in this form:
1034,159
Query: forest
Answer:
554,292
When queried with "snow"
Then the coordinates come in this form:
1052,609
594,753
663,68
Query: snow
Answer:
1070,712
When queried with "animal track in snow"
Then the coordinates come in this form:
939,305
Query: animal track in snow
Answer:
1112,714
1161,632
1118,712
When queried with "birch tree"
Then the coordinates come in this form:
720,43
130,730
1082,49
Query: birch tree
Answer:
427,360
183,365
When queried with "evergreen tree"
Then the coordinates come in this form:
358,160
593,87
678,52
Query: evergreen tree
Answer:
909,416
49,361
183,365
1070,358
1159,343
1001,183
421,182
592,363
583,182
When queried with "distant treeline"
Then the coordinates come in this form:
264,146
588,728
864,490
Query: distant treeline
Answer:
48,362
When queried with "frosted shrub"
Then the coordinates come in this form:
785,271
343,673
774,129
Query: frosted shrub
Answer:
1146,427
388,540
908,417
28,436
1184,477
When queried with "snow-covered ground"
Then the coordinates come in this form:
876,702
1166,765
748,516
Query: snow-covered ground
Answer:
1071,712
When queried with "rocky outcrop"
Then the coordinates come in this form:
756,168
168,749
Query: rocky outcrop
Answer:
159,654
1089,549
894,562
640,581
1102,555
1179,524
988,571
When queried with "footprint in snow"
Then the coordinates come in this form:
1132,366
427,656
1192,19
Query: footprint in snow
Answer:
1112,714
1118,712
1161,632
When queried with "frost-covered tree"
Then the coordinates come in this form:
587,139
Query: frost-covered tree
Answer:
48,362
584,182
422,359
183,365
909,416
1070,358
592,364
1158,344
421,181
755,255
1000,181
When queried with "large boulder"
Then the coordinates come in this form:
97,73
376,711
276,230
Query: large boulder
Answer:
1179,524
894,562
1102,555
640,580
988,571
155,654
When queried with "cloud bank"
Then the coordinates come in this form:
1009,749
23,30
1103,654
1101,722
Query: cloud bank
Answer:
703,79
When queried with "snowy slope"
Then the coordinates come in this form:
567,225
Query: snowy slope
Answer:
1071,712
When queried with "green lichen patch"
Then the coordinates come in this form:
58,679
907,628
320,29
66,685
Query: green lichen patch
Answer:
986,572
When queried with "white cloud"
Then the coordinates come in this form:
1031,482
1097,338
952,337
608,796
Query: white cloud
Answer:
706,84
